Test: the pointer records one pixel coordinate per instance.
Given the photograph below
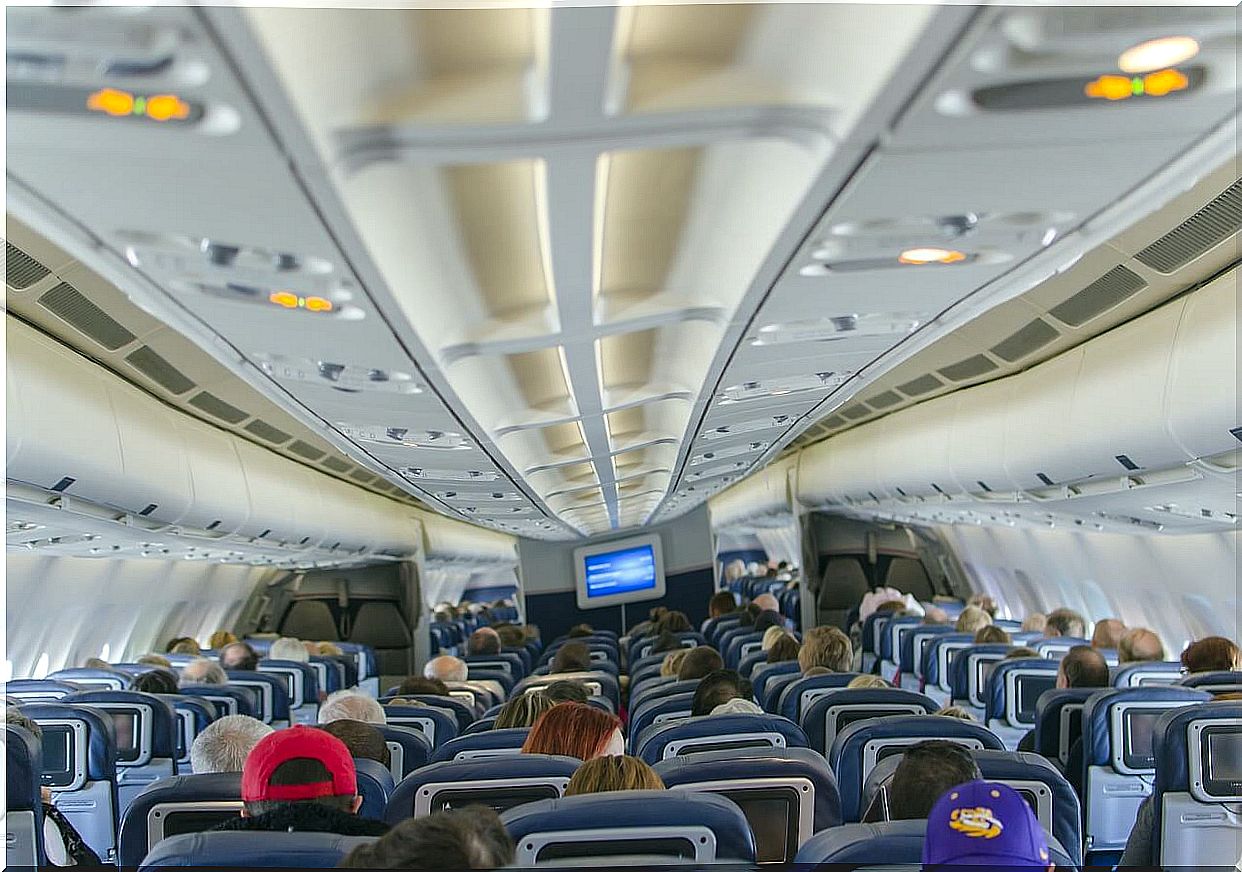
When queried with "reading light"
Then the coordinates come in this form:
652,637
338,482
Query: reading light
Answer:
118,104
1167,51
918,256
1157,84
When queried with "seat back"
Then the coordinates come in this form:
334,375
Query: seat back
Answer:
739,646
175,806
762,680
872,634
270,689
968,676
714,631
596,683
1058,721
437,724
1198,788
464,713
499,677
914,645
302,685
23,806
1214,682
409,748
1012,692
510,664
797,695
787,794
499,783
39,689
668,824
329,674
717,733
493,743
1056,647
226,698
366,663
375,786
79,766
102,679
193,716
652,692
938,663
688,639
1147,674
889,653
254,850
660,710
836,709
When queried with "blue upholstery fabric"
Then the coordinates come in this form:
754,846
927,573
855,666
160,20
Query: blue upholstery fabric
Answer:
651,746
645,714
243,696
23,762
516,669
375,785
1158,671
1011,766
201,713
722,625
1096,741
961,669
279,693
748,663
789,704
164,723
887,651
815,719
1057,645
872,630
504,679
445,721
642,647
931,657
93,677
333,673
483,724
994,695
609,685
907,662
491,740
46,688
649,671
464,714
762,679
889,843
478,776
256,850
101,738
732,654
523,654
1215,682
637,810
663,689
310,681
415,747
208,787
1048,717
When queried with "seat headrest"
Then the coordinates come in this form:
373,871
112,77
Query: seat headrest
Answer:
1057,646
665,739
887,652
24,758
1097,749
761,679
790,701
649,692
931,656
462,712
647,713
482,773
1012,766
92,677
163,715
887,843
1171,737
375,785
101,736
444,720
245,698
1048,716
310,678
479,744
996,692
873,627
204,787
240,850
962,667
279,692
1215,682
815,721
47,688
908,662
634,810
1145,672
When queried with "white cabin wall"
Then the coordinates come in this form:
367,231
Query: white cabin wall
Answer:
70,608
1183,587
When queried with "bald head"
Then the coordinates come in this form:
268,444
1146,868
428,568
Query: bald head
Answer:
484,640
767,603
203,671
446,668
1108,633
1140,645
1083,666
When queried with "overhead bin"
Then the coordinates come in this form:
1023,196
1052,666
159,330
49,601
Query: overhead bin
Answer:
763,497
451,543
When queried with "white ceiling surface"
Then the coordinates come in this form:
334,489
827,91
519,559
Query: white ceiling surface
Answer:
564,224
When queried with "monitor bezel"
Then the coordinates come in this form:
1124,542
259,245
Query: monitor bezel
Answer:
144,717
657,591
1203,788
1012,712
1116,723
802,787
78,753
425,797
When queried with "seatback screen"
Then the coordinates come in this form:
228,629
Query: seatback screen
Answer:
125,723
625,571
773,818
58,755
498,799
1140,728
1224,756
177,823
1029,689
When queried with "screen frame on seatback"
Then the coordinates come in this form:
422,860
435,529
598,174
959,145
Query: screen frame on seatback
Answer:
581,555
75,756
1117,735
1202,787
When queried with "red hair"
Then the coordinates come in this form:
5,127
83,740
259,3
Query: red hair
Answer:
573,729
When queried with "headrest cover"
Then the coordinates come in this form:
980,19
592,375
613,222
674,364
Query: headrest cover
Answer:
984,823
291,744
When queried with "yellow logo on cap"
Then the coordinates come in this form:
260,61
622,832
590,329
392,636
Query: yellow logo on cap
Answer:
976,823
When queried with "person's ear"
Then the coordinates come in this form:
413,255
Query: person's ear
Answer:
245,812
355,805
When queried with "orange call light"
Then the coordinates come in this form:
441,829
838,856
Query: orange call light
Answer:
287,299
111,101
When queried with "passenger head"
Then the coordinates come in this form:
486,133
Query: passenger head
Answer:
485,641
511,635
867,682
1019,652
363,740
983,824
1212,654
767,602
13,715
350,705
828,647
96,663
748,614
606,774
239,655
566,691
698,662
936,616
219,639
1066,622
575,730
672,662
203,671
329,649
770,635
464,838
767,620
956,711
721,603
972,620
785,648
665,641
715,689
1083,666
446,667
985,602
415,685
578,631
183,645
158,660
991,635
1139,645
674,622
299,765
926,771
155,681
223,745
289,649
571,657
523,710
1035,622
1108,633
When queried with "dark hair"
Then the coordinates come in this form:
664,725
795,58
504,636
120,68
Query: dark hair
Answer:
174,642
721,603
300,770
155,681
465,838
717,688
1085,667
578,631
247,661
749,613
566,691
413,685
698,662
363,740
767,619
991,635
784,649
571,657
666,641
1210,654
1066,622
927,770
673,622
484,640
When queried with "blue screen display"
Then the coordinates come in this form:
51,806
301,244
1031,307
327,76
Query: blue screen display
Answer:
620,571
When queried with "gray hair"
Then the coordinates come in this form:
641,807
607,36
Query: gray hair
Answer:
13,715
350,705
200,670
225,743
446,667
289,649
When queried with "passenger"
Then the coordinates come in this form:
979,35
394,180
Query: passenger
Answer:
329,649
363,740
463,838
1108,633
867,682
719,688
972,620
1019,652
219,639
985,602
828,647
301,779
956,711
576,730
672,662
984,824
62,844
223,745
748,613
571,657
579,631
767,602
926,772
566,691
784,650
698,662
523,710
183,645
203,671
1035,622
768,619
1083,666
157,660
416,685
96,663
673,622
991,635
770,635
156,681
484,641
935,617
606,774
239,655
722,603
511,636
872,600
350,705
1140,645
665,642
1212,654
446,668
290,649
1066,622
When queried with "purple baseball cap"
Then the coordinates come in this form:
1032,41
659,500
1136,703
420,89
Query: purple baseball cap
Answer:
984,823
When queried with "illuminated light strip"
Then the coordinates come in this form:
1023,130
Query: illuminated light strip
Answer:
290,300
119,104
1157,84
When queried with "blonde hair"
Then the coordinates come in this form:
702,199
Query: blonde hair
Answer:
770,635
523,710
867,681
972,620
220,638
991,635
672,662
826,646
956,711
1035,622
329,649
605,774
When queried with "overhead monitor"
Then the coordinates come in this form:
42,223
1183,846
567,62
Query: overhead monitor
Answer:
620,571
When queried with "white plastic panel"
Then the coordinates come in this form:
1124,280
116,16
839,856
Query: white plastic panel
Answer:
444,539
1039,438
154,461
1203,370
977,447
765,493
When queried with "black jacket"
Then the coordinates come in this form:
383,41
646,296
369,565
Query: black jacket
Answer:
307,817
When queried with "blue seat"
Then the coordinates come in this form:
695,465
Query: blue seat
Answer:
173,806
913,646
598,665
1056,647
1196,793
260,646
463,713
651,692
510,664
717,733
146,730
701,827
375,786
254,850
1147,673
1118,760
496,782
437,724
523,654
739,646
600,649
860,746
597,684
714,631
797,694
23,805
1012,694
366,663
226,698
889,653
872,632
483,724
725,639
836,709
79,765
271,690
303,687
504,679
39,689
642,647
658,711
763,679
938,662
409,748
797,781
105,679
747,666
643,674
1058,722
329,674
889,844
1214,682
493,743
969,672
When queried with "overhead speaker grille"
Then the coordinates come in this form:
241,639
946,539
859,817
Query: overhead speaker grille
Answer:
21,270
834,422
267,432
66,303
968,368
1107,291
1028,340
159,370
856,411
362,475
218,408
336,465
1207,228
924,384
884,400
305,451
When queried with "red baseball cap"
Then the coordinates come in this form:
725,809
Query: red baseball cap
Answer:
290,744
